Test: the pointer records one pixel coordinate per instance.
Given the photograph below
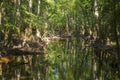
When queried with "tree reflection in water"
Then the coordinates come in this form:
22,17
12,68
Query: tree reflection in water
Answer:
71,59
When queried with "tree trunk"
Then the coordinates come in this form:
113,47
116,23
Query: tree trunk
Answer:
30,5
114,25
38,14
1,11
0,15
30,10
17,12
38,11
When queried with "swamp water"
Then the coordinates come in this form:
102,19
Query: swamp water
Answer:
71,59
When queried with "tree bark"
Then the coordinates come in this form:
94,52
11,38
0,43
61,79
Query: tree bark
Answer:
115,28
38,11
1,13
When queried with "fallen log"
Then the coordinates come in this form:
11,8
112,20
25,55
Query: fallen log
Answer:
18,52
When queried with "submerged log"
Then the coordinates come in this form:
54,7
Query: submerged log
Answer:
17,52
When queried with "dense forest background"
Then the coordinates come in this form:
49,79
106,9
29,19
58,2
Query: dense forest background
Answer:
96,21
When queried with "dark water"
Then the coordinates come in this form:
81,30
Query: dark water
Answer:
71,59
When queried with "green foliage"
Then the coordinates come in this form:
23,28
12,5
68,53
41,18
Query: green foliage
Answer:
71,16
9,26
58,10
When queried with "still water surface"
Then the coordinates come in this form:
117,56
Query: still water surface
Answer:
71,59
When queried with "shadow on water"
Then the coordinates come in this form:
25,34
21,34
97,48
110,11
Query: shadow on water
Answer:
71,59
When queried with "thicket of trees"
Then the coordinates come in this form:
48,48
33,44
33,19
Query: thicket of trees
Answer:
98,20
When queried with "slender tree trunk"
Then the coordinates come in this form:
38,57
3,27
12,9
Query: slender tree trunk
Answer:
46,23
38,11
38,14
0,14
30,5
96,9
1,35
115,28
17,12
18,2
15,5
95,70
30,10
